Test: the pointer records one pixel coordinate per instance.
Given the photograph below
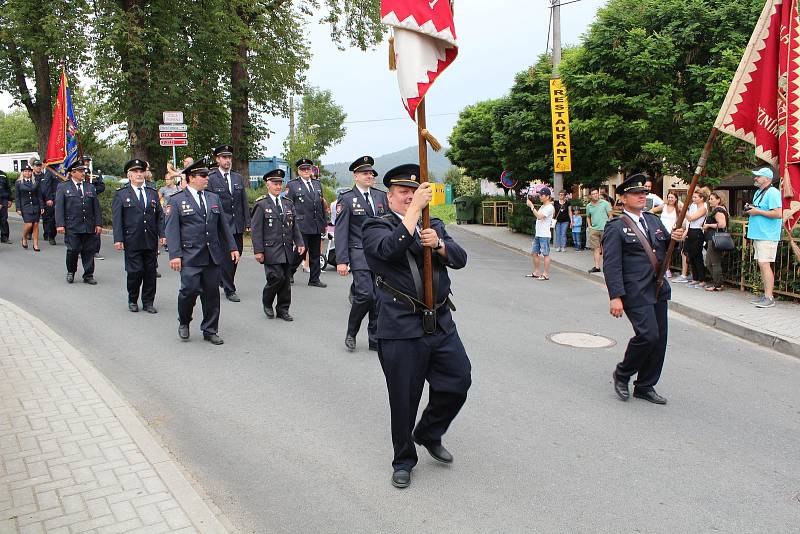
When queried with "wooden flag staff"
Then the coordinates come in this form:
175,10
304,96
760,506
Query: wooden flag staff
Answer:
701,165
427,257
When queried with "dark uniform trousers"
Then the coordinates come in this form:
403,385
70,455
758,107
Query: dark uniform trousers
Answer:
202,239
278,286
363,290
228,267
81,246
312,242
5,232
408,356
48,182
49,222
141,268
407,363
630,275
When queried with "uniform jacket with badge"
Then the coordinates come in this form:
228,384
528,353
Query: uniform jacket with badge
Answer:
309,208
628,272
351,212
5,190
274,234
48,183
77,214
29,196
197,240
233,204
137,228
386,241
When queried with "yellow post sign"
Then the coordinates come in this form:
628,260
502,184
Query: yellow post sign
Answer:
559,108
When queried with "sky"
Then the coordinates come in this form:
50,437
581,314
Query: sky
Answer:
497,39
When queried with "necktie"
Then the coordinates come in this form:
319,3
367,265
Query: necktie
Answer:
308,186
228,183
644,226
80,191
141,198
278,205
369,204
202,203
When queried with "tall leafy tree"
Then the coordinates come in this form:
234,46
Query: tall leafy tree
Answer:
471,145
320,126
17,133
35,38
649,79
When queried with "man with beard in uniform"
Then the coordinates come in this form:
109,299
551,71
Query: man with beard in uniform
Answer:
229,187
199,239
352,209
415,343
306,195
275,238
78,217
48,183
634,244
138,230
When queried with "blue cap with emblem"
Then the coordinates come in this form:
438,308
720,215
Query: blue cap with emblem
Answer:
406,175
197,168
275,175
303,163
633,184
364,164
223,150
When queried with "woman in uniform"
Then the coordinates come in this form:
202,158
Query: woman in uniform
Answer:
29,205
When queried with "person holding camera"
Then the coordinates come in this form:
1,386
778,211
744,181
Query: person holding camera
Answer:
764,230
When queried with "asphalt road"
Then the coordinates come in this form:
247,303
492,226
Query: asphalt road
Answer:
287,432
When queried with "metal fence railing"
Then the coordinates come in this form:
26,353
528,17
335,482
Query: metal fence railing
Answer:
495,213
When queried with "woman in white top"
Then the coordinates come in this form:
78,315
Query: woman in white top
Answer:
669,216
696,215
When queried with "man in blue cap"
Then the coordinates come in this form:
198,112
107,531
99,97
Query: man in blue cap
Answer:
306,195
764,230
229,187
352,209
416,343
634,245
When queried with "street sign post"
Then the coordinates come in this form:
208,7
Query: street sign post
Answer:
173,117
173,142
172,128
173,132
173,135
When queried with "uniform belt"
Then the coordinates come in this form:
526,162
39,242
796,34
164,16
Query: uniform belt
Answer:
416,305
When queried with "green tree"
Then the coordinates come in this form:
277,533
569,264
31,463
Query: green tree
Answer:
471,145
17,133
36,37
648,80
320,125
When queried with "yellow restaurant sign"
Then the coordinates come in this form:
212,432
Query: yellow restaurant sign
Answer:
562,160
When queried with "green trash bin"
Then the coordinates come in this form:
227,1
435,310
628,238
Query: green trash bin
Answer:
465,210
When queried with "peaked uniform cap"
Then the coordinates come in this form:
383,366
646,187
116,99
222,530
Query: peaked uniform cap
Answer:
406,175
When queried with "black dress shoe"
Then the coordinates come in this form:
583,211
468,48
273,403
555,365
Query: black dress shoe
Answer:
291,280
437,452
620,387
373,346
650,395
285,316
52,241
350,343
269,312
183,332
149,308
70,277
318,284
132,306
214,339
91,281
233,297
401,478
158,274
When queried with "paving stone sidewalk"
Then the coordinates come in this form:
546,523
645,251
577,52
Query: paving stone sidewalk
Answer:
74,457
729,311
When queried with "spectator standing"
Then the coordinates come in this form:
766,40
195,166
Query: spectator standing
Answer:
669,216
696,215
167,190
653,200
541,238
561,207
598,212
576,223
717,220
764,229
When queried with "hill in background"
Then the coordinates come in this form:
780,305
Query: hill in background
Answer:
437,164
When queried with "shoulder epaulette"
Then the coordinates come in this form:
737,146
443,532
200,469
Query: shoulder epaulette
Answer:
122,187
262,197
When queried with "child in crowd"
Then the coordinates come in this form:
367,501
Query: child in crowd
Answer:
576,223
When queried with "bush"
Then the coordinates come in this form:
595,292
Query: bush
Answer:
445,212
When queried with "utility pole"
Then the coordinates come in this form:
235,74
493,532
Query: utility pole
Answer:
291,133
558,178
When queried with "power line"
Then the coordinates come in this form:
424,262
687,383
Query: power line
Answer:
396,118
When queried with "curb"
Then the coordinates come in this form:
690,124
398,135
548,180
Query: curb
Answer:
196,507
729,326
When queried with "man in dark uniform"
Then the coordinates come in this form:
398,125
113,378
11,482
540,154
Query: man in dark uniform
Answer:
634,244
229,187
306,195
199,239
78,217
352,209
415,343
99,187
5,202
48,183
275,238
138,229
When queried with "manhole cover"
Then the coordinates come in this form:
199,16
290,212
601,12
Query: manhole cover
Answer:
582,340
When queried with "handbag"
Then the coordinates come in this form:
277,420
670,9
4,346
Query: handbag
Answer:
722,241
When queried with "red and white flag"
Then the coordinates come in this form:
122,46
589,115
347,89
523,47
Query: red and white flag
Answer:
424,44
763,103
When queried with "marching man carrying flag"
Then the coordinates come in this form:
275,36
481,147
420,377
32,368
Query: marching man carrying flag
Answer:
417,337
